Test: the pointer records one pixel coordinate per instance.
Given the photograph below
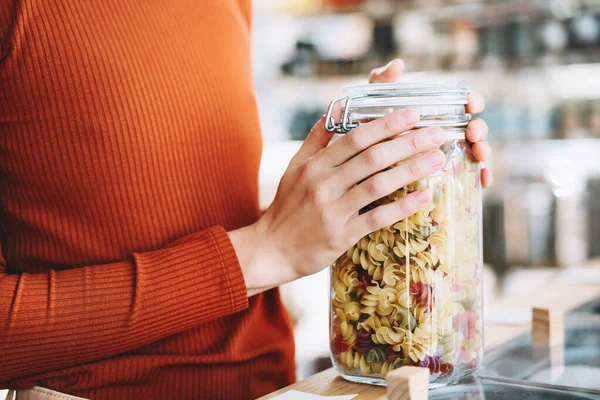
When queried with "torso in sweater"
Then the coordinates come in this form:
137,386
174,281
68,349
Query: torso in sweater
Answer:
125,125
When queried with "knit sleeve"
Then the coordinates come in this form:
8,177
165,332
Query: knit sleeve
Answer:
64,318
246,11
8,16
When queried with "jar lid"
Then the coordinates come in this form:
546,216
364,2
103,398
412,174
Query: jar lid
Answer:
439,103
454,92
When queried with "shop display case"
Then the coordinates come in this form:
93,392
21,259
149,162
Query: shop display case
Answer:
573,366
484,390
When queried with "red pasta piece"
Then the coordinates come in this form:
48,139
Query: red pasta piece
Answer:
363,342
392,355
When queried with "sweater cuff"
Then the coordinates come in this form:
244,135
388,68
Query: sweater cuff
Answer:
230,265
198,275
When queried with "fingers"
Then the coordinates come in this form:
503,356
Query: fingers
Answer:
481,151
389,214
368,134
475,103
384,154
486,177
317,139
477,131
386,182
389,73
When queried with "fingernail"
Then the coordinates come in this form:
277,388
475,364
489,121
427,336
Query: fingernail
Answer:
435,158
436,135
423,196
381,70
410,116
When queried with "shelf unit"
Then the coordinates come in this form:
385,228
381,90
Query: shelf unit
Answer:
492,10
541,87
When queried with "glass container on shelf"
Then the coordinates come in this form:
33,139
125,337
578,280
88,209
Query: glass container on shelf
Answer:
411,293
483,390
573,365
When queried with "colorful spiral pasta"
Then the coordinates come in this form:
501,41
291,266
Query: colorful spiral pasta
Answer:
408,294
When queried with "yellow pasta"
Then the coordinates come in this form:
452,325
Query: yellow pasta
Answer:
370,300
425,259
438,239
417,246
386,298
386,368
346,273
391,273
399,249
406,226
423,314
378,251
354,360
352,311
348,333
342,294
385,335
374,322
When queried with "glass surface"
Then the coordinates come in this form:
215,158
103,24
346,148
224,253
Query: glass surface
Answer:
498,391
438,103
410,293
574,365
431,115
592,307
420,90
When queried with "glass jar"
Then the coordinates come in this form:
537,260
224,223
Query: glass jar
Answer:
411,293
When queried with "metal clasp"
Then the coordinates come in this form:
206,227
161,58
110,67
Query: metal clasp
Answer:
346,124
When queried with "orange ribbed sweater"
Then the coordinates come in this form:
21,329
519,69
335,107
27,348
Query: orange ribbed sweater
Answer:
129,145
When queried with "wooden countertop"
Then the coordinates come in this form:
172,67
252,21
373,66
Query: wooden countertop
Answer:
556,294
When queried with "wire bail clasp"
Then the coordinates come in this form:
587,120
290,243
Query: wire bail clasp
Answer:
346,124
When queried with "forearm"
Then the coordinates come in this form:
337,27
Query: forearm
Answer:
65,318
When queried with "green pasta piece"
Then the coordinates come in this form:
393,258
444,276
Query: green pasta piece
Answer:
376,355
408,319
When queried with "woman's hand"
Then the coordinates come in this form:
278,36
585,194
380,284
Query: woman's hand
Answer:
477,130
315,215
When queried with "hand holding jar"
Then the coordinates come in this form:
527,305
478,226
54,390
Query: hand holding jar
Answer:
316,215
410,293
477,129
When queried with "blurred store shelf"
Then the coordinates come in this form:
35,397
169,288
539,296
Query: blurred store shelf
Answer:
440,9
535,158
554,102
575,81
436,34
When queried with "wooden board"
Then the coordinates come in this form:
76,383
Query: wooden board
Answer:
330,383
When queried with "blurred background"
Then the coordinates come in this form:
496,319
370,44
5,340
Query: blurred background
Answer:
536,62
